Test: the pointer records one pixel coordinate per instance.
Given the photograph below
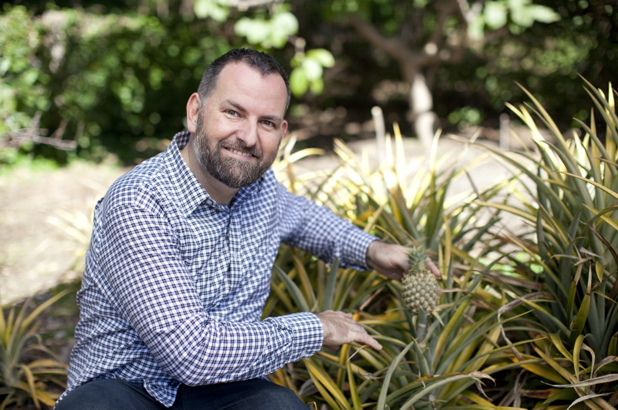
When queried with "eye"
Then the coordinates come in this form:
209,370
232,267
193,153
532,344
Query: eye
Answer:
232,113
269,123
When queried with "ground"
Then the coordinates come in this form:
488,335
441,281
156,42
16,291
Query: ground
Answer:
44,224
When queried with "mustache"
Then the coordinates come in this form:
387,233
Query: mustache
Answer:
241,146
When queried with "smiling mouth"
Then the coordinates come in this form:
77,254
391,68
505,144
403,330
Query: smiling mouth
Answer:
241,153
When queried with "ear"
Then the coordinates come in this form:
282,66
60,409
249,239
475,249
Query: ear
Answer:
284,128
193,107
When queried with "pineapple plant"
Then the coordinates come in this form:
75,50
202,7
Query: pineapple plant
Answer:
420,286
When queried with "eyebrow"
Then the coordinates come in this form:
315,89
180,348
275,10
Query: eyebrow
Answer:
239,107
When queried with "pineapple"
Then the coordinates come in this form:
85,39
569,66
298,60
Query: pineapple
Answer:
420,286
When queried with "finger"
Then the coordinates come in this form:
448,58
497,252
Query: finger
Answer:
370,341
362,336
434,269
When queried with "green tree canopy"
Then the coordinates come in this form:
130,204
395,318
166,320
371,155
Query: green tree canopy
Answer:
116,73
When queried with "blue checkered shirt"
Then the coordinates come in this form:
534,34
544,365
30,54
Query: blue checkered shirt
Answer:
175,284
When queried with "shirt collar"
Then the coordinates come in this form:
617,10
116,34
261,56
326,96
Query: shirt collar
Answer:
191,193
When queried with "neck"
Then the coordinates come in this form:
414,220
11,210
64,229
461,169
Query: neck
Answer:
218,191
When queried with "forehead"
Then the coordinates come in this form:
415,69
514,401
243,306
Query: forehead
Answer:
238,81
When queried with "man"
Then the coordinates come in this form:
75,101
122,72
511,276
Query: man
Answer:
179,264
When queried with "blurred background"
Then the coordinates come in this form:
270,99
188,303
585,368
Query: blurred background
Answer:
111,77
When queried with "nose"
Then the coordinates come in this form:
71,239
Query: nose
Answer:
248,134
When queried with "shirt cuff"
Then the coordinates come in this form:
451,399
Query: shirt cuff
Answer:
355,249
306,331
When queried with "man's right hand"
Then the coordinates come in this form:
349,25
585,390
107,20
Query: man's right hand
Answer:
340,328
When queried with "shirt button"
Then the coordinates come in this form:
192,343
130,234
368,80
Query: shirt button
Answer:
235,256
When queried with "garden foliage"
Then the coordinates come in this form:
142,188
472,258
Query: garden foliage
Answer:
528,318
28,369
111,79
115,75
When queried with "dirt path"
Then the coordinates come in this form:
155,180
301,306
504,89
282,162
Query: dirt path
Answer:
45,217
44,221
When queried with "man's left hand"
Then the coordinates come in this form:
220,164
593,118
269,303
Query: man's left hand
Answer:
392,260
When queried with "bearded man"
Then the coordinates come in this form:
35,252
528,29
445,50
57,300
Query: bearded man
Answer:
179,265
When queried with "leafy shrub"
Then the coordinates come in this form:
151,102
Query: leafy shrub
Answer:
426,361
118,82
570,203
528,309
22,379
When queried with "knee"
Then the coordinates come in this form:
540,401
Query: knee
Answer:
280,398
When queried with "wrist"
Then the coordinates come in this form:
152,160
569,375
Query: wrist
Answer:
370,255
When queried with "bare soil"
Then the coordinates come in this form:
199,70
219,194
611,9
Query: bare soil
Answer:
44,224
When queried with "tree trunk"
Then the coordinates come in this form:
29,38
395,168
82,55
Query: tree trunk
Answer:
421,115
411,62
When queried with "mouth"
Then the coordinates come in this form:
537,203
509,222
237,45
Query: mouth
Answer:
239,153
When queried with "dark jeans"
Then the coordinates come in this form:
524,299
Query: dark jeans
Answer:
112,394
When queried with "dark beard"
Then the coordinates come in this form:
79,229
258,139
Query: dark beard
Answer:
231,172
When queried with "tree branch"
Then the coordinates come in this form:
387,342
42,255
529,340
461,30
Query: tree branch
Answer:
467,13
452,52
16,139
391,46
445,10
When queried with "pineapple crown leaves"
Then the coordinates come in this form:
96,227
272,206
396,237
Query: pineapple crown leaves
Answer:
417,260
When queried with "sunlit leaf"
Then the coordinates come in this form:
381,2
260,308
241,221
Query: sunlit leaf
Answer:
495,14
209,8
255,30
323,56
590,382
285,21
312,68
298,82
543,14
317,86
588,397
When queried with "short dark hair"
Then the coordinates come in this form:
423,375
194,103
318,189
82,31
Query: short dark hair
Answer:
255,59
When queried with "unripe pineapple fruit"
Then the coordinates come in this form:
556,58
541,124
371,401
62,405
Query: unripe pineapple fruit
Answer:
420,286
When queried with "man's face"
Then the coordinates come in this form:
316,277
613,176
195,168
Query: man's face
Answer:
240,126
